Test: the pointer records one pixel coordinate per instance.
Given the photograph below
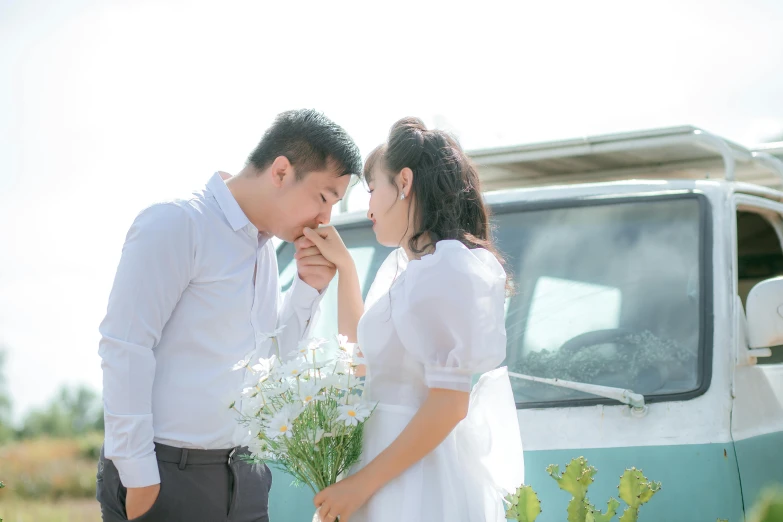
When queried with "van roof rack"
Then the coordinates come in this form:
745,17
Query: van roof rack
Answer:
684,151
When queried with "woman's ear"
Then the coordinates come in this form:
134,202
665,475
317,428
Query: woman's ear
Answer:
406,180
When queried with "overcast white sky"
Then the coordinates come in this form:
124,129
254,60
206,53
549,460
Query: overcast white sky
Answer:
106,106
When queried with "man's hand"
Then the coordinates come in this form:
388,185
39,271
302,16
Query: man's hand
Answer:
140,500
314,269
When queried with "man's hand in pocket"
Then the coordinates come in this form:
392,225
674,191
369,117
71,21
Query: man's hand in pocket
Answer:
139,500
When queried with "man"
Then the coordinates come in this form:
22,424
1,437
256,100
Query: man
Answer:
196,290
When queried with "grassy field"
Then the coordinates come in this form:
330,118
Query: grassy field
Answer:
50,480
70,510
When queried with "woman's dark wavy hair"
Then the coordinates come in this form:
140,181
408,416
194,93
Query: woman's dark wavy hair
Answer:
446,187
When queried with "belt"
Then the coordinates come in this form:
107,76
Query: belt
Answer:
197,457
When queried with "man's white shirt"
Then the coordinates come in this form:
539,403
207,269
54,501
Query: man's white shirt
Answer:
196,291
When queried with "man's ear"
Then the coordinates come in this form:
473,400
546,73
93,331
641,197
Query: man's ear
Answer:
279,170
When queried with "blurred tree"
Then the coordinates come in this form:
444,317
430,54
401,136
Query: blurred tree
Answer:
73,412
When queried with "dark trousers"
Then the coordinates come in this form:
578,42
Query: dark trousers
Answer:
195,486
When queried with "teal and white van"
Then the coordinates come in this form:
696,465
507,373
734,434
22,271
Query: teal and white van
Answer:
655,303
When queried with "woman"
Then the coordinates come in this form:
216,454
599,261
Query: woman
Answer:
434,317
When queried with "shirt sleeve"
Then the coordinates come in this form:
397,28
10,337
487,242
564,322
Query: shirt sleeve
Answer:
451,315
298,313
155,268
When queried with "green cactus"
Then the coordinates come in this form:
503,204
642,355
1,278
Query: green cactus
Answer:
635,490
576,479
769,508
524,505
593,515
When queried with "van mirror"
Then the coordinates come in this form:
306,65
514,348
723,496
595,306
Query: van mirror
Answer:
765,314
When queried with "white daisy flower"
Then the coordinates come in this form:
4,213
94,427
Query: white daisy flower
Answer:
242,363
304,348
343,356
343,344
353,414
265,368
294,368
308,392
280,426
313,345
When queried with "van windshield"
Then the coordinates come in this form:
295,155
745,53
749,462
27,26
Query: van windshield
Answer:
608,293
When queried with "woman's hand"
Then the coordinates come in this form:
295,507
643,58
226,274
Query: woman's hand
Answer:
342,499
328,242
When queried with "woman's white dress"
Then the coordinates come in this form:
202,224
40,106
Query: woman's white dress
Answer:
436,323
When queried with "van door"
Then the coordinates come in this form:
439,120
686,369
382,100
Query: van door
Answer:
618,292
757,410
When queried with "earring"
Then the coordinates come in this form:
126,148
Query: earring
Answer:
402,196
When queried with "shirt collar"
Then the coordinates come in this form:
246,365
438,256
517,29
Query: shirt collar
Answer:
225,200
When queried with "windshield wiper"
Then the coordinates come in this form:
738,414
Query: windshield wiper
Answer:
629,397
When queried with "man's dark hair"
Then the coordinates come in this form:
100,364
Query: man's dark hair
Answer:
311,142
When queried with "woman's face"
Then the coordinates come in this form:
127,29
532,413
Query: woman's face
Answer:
389,213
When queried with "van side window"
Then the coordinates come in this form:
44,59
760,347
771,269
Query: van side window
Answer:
759,257
608,294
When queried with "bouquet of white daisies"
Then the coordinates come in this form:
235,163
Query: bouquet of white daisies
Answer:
305,415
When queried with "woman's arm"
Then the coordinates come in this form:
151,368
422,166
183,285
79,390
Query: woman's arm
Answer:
350,306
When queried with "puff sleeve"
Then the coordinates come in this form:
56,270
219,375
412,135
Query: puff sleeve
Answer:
449,314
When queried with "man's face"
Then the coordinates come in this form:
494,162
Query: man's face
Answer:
307,202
